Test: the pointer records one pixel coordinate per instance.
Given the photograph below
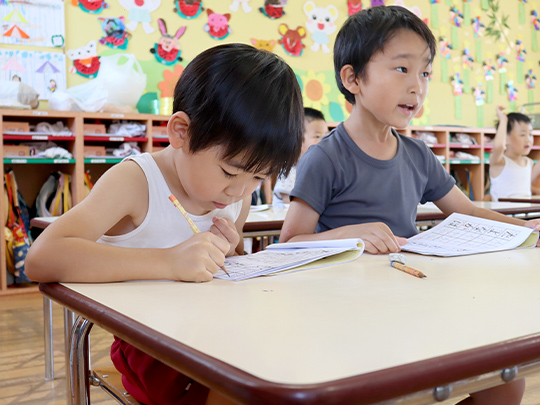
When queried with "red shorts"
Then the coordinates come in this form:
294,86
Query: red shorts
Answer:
151,382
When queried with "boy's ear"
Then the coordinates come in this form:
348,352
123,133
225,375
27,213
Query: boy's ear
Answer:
349,79
177,129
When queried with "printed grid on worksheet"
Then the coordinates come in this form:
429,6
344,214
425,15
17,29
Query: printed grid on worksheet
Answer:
472,235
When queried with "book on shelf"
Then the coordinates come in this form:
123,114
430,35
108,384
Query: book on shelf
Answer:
282,258
461,234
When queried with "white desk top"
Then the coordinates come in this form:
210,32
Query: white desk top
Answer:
327,324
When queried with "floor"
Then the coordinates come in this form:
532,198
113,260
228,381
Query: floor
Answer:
22,360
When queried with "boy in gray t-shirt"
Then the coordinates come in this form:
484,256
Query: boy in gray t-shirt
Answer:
364,180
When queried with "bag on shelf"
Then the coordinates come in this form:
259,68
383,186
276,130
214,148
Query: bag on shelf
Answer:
54,198
87,183
18,222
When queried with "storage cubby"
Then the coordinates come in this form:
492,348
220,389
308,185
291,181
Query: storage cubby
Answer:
90,130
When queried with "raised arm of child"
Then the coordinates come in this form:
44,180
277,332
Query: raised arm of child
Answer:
496,159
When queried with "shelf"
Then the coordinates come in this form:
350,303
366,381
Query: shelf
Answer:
112,138
34,136
464,162
102,160
31,160
463,146
436,145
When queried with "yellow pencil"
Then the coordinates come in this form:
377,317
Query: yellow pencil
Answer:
407,269
192,225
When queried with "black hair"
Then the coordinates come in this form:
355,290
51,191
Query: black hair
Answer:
366,33
311,114
245,100
513,119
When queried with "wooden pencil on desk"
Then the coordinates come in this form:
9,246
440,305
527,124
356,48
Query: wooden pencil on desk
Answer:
407,269
192,225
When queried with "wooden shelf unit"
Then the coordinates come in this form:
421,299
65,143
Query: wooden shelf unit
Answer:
476,169
32,172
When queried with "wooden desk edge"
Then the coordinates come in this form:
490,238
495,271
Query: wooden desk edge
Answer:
370,387
532,200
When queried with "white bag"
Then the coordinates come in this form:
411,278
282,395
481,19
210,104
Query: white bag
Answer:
122,76
90,97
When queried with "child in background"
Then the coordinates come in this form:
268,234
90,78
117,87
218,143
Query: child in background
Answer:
511,172
237,120
364,179
314,129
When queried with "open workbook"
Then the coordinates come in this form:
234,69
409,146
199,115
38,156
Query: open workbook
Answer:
289,257
462,234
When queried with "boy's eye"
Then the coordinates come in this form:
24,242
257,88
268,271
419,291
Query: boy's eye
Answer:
402,69
227,174
426,74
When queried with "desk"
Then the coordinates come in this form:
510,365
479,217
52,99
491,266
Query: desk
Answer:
360,332
533,199
430,212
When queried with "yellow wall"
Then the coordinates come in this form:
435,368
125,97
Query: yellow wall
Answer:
82,27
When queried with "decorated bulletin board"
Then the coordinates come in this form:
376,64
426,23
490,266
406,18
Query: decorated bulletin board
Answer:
488,49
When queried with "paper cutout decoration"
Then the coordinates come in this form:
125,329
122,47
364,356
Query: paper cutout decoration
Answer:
375,3
354,6
245,6
466,12
535,21
167,50
414,9
479,29
218,25
479,100
85,60
321,24
139,12
501,64
456,19
91,6
116,35
530,82
522,11
264,45
291,40
457,86
273,9
521,54
444,49
16,32
434,13
188,9
489,69
467,64
512,92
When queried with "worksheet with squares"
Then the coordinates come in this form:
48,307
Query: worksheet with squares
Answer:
463,235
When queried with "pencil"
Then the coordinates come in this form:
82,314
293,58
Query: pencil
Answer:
192,225
407,269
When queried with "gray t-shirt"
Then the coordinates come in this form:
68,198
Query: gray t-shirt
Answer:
346,186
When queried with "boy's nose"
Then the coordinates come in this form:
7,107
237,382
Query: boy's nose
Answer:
235,190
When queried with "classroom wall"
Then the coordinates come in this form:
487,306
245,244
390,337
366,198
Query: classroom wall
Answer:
477,55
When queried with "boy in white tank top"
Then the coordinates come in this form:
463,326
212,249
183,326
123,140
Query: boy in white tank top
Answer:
238,119
511,172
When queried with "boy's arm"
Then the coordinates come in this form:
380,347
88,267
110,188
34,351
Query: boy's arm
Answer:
67,250
456,201
301,222
499,142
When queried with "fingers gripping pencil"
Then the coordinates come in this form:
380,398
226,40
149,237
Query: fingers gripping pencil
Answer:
192,225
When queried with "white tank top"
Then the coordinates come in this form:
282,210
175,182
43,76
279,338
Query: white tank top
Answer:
513,182
164,226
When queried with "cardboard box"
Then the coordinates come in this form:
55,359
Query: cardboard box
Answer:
16,150
12,126
160,131
94,129
93,151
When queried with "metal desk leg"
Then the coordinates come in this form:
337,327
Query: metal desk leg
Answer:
78,363
48,339
69,320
